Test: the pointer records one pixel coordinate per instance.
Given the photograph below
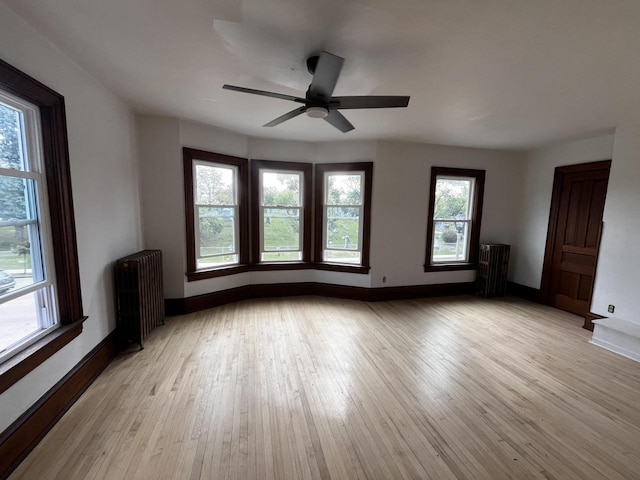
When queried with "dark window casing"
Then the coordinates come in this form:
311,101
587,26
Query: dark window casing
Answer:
476,218
55,150
189,155
307,171
320,170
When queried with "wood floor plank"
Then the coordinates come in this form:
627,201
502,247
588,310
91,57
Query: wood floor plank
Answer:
316,388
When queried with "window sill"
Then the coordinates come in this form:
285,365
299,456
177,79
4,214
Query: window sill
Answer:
30,358
217,272
450,267
274,266
342,267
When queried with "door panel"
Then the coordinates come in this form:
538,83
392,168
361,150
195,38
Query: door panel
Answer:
575,238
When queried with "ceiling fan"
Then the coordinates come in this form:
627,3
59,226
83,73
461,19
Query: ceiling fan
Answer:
318,102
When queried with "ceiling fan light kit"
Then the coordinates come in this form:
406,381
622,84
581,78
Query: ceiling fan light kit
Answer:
317,112
318,102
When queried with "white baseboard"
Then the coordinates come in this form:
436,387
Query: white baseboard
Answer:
619,336
616,349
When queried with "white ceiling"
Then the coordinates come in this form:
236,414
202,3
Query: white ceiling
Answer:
511,74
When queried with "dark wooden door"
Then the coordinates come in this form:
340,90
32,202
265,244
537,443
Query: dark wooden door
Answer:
578,200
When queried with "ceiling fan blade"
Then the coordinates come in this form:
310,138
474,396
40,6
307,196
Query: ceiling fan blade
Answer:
285,117
326,75
370,102
264,93
338,120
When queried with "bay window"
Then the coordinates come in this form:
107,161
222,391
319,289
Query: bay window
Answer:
225,236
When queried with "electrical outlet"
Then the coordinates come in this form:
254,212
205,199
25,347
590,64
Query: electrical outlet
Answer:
611,308
384,279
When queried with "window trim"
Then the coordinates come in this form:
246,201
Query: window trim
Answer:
190,155
321,169
234,205
57,172
38,227
262,207
476,218
250,233
307,198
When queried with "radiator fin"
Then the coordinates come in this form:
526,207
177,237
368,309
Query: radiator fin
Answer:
139,298
493,267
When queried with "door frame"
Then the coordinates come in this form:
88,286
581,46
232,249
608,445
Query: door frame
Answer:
554,212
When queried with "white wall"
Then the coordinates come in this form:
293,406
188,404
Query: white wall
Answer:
533,218
163,197
399,210
401,197
617,278
104,173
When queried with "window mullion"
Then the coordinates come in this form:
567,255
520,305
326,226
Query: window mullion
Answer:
325,230
360,227
300,227
198,231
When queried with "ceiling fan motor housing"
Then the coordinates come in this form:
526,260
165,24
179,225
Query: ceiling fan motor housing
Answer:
312,63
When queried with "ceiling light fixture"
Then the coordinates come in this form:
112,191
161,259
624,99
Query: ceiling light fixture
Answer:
317,112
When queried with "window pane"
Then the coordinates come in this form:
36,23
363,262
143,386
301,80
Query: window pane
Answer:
452,199
344,189
217,230
20,252
281,189
342,256
18,320
343,228
219,261
214,185
450,241
281,229
281,256
11,146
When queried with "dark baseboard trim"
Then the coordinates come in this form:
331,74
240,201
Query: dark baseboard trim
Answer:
181,306
588,320
522,291
24,434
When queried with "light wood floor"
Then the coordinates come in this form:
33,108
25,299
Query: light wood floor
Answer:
311,387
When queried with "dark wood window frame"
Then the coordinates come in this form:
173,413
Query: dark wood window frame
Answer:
249,227
307,198
55,151
189,155
476,218
321,169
